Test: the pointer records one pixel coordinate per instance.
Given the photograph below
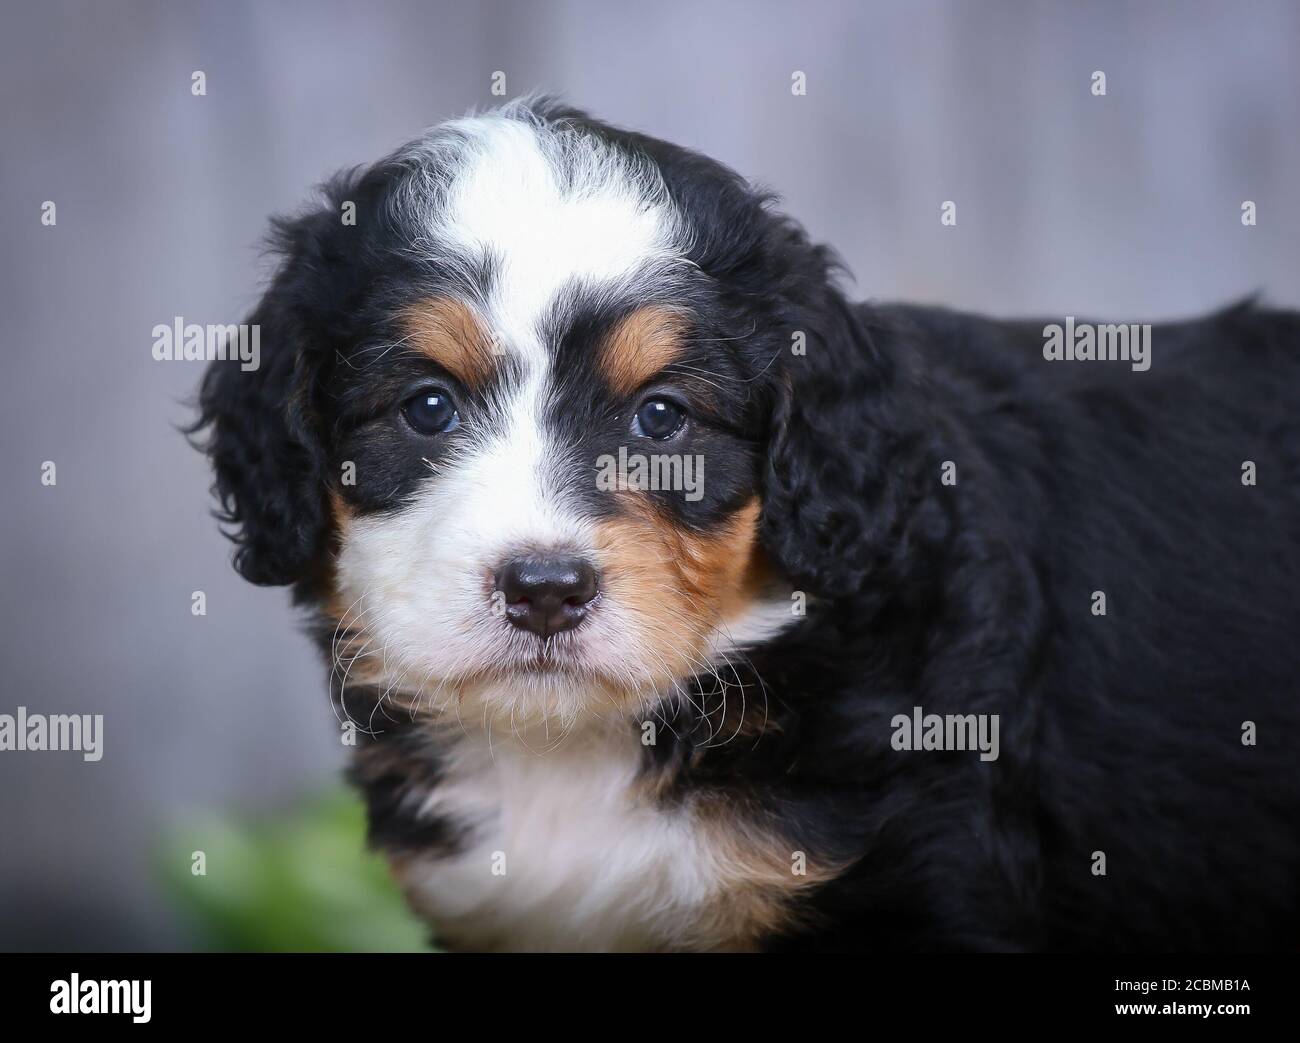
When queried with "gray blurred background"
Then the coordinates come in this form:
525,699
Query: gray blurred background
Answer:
1127,205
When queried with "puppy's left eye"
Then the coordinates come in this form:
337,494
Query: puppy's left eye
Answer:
658,418
431,412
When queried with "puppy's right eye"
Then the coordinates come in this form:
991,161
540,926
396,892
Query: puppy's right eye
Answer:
431,412
658,418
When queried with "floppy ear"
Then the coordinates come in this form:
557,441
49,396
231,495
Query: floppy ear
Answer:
849,498
265,435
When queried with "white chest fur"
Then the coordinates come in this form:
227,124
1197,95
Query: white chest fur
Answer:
566,852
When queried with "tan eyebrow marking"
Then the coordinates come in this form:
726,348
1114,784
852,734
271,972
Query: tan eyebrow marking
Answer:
449,332
639,346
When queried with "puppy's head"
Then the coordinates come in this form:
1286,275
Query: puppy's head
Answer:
523,426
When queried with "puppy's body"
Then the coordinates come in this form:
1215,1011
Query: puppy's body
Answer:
694,745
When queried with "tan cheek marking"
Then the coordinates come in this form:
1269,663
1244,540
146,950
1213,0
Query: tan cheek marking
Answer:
449,332
333,606
756,869
340,511
345,613
679,585
639,346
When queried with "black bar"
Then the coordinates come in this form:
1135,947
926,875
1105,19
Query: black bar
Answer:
379,993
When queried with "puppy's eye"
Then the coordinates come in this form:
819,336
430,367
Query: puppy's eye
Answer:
431,412
658,418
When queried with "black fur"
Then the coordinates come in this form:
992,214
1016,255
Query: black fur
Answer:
1120,733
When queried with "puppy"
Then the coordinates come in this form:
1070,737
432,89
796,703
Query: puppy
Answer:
676,602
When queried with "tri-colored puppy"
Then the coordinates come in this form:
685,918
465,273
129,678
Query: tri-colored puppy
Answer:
684,604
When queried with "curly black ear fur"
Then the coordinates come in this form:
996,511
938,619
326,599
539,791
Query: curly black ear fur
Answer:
266,437
851,501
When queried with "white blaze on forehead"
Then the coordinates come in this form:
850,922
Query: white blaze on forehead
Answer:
506,493
549,207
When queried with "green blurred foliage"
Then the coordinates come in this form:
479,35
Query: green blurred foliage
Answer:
296,883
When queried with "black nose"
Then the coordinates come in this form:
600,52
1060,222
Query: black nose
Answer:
547,595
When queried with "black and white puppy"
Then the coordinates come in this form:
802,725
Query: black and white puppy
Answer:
683,604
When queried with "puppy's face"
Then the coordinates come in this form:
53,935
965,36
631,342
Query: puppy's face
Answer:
542,418
570,518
